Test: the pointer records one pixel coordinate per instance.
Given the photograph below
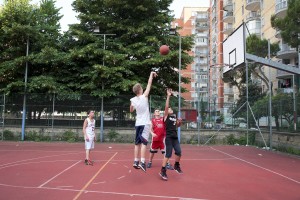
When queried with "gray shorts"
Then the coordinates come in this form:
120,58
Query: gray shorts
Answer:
172,143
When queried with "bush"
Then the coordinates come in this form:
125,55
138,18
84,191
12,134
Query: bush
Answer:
230,139
112,135
70,136
8,135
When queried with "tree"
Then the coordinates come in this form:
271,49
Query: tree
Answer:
258,47
282,106
140,27
21,22
289,26
255,94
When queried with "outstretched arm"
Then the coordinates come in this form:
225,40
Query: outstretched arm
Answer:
147,91
169,93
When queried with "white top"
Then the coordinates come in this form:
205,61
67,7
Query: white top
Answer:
90,128
141,105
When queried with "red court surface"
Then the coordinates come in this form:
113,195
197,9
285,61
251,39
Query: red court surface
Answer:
31,170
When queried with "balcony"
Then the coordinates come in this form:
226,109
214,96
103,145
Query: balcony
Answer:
281,8
201,44
202,26
202,35
253,5
201,17
203,90
286,52
228,5
283,74
228,17
253,15
201,53
254,27
228,29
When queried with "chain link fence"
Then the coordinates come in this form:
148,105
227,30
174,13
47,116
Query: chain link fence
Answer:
69,111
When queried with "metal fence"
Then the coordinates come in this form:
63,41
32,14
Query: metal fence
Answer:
56,111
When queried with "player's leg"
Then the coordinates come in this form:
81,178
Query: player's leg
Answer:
144,140
153,150
91,147
137,146
88,146
163,151
177,149
168,154
143,156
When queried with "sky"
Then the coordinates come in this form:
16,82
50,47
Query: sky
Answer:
70,16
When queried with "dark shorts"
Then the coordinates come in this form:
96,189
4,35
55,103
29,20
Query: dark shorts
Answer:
172,143
142,134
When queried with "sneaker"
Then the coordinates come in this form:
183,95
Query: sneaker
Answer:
143,166
86,162
178,169
163,174
90,162
149,165
169,166
136,165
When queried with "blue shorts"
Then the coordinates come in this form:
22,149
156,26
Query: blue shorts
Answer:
142,134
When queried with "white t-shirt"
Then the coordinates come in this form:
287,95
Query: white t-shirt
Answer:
90,128
140,103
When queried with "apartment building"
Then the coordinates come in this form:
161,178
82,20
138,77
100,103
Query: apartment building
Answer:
194,20
226,16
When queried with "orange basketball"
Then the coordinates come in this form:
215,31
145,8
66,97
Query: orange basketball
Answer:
164,50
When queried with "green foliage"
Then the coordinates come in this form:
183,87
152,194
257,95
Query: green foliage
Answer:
282,106
22,23
69,136
8,135
289,150
230,139
112,135
37,137
129,56
242,140
255,95
289,26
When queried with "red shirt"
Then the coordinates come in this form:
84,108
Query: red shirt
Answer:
159,129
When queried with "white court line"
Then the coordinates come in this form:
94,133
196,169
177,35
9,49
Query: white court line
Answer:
102,192
37,162
37,158
59,174
250,163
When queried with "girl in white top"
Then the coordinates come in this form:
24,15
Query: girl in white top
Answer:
89,136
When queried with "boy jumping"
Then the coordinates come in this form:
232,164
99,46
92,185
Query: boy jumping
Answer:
89,136
158,139
171,123
143,123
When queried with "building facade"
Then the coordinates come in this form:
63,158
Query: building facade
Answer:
226,16
195,21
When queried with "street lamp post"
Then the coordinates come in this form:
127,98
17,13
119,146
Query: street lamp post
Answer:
173,32
25,91
102,84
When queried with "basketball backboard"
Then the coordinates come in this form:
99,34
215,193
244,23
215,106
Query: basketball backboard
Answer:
234,49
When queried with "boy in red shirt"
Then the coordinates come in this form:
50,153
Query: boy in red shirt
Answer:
158,137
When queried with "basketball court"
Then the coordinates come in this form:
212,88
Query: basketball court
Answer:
31,170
